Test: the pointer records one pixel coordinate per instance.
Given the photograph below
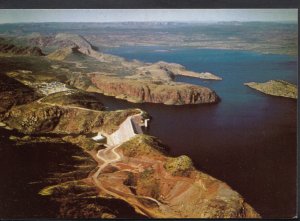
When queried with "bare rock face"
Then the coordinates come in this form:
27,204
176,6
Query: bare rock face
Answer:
154,92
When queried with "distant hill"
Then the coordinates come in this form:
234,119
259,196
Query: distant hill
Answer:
7,48
77,40
76,44
265,37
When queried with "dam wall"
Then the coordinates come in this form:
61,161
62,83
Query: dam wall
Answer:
124,133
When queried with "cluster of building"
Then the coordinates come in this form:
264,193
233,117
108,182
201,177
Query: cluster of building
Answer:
47,88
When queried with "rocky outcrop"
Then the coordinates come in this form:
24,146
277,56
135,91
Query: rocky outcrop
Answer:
7,48
154,92
276,88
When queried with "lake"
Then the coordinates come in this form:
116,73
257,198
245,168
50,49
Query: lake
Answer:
248,140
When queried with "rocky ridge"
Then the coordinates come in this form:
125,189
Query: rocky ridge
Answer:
11,49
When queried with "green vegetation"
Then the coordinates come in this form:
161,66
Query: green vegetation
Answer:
84,142
141,145
29,139
77,200
44,118
179,166
113,119
75,98
14,93
147,184
55,190
147,173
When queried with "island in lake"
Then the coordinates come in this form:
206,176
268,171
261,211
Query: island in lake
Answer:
276,88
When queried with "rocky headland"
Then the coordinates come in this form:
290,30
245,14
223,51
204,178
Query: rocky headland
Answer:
278,88
139,91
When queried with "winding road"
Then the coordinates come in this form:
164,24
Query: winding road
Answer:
103,156
40,101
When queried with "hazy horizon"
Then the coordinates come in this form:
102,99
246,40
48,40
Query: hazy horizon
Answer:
184,22
11,16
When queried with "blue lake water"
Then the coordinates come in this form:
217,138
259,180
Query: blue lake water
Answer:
248,139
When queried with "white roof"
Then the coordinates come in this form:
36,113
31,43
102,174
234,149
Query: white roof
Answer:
98,137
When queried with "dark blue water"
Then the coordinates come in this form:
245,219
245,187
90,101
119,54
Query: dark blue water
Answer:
248,139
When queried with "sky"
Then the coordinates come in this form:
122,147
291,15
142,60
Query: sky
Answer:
144,15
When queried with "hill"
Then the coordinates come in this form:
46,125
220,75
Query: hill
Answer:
7,48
